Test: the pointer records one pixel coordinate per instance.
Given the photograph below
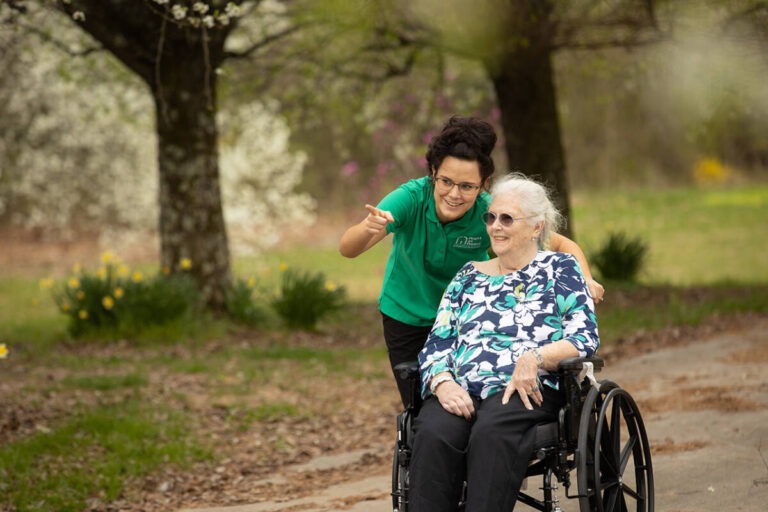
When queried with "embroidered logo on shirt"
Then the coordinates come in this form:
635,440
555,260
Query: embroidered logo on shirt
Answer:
468,242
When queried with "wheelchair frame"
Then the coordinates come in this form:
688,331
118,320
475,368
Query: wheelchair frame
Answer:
599,433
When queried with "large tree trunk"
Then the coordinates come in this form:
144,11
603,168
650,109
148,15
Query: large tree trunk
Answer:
525,90
179,64
191,223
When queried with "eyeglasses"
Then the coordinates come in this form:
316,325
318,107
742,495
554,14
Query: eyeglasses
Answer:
505,219
446,184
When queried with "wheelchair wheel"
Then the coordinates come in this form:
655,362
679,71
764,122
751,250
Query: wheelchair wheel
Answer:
401,463
614,458
399,484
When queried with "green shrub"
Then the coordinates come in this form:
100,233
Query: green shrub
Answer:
620,258
244,304
114,300
304,298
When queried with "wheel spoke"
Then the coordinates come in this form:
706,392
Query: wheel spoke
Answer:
628,490
610,498
608,457
626,453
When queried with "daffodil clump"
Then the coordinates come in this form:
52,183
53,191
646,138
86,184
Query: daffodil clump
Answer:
117,298
303,298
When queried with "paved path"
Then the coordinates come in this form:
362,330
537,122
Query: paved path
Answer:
705,406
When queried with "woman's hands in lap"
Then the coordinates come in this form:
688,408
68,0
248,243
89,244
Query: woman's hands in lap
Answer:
525,380
455,399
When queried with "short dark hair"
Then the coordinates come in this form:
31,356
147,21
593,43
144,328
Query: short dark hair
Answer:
466,138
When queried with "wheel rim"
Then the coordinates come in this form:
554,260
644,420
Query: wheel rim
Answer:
615,472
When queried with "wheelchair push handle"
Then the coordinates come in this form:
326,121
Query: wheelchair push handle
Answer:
408,370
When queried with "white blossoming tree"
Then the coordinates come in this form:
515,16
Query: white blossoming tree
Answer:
176,48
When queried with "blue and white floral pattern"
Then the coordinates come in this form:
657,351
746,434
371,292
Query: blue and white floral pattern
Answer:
484,322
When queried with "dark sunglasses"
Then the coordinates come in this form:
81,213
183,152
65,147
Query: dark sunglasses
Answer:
505,219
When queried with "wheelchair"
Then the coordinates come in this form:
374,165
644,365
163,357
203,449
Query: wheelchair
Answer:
599,433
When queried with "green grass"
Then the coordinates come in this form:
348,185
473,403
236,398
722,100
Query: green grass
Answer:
695,236
674,306
92,454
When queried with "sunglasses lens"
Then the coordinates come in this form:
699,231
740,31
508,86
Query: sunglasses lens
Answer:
505,219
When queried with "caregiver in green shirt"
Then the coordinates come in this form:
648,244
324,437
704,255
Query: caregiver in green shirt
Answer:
437,226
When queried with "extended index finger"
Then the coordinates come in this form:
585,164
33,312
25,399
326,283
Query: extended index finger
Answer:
379,213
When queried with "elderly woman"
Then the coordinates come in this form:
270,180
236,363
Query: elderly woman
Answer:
502,326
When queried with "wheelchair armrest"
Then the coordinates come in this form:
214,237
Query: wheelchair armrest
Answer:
574,364
408,370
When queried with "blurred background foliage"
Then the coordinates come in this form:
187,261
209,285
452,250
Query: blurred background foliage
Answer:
342,126
339,111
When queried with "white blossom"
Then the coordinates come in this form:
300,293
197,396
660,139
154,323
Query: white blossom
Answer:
232,10
259,177
179,12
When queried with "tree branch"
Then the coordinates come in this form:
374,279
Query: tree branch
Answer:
244,54
61,45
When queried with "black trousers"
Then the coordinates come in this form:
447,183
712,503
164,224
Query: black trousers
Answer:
491,452
404,342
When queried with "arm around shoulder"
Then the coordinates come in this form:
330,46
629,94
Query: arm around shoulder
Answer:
560,243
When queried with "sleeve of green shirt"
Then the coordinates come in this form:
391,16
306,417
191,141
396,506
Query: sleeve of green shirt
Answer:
401,203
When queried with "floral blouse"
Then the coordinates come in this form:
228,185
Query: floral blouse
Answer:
484,322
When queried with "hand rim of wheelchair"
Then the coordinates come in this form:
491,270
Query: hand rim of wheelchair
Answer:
603,413
601,480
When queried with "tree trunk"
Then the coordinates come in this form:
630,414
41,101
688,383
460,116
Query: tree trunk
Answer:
191,223
178,62
525,90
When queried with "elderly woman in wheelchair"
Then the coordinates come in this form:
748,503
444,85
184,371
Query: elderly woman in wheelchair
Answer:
491,378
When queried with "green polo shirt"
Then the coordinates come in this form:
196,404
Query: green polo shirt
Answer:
426,254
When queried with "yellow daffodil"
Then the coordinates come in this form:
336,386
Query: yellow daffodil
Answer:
82,314
118,293
137,276
3,351
185,263
330,286
251,282
65,307
74,283
283,266
108,257
46,284
108,302
122,271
